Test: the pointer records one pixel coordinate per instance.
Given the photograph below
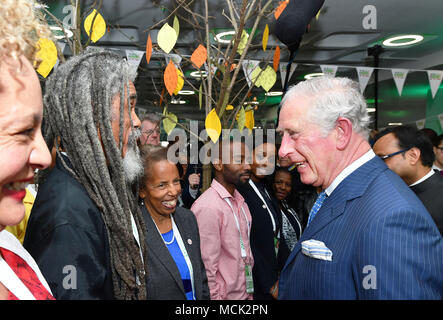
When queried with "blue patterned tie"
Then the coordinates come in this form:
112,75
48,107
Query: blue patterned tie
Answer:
321,197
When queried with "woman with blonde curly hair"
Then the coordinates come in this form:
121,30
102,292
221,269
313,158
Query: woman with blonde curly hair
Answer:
22,148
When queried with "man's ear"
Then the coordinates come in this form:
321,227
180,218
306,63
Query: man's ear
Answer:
343,130
413,155
142,193
218,166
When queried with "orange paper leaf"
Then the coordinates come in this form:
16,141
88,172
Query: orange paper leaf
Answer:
199,56
170,77
276,61
148,49
280,9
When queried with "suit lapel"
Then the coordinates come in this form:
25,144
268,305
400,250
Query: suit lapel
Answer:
351,187
158,248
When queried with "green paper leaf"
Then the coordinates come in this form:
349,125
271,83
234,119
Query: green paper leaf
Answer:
176,26
169,123
241,119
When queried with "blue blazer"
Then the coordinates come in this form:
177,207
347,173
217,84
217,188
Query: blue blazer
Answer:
384,244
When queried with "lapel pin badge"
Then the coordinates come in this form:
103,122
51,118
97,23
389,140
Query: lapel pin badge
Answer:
189,241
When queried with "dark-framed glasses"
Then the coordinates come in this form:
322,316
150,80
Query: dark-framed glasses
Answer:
393,154
440,149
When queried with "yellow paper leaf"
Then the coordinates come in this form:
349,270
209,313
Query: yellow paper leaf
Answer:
243,41
176,26
241,119
148,49
169,122
180,82
255,76
265,37
99,27
249,120
166,38
229,107
213,125
267,78
47,54
170,77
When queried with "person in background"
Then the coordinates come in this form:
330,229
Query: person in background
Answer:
176,269
268,245
85,220
409,153
368,235
291,224
224,223
438,151
150,129
22,147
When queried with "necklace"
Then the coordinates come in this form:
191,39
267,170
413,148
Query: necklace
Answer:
172,240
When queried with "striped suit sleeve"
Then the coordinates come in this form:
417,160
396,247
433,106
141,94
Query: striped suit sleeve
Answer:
399,256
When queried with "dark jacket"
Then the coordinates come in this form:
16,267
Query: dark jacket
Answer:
164,280
267,265
430,192
68,239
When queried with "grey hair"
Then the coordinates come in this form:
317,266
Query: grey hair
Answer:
77,101
332,98
151,117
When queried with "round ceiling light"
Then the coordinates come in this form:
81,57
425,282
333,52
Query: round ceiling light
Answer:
404,40
61,33
174,101
313,75
186,92
274,93
199,74
219,37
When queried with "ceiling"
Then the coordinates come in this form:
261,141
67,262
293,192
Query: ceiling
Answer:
337,37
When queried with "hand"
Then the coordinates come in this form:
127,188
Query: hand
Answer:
194,180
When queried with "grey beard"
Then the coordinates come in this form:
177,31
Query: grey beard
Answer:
132,162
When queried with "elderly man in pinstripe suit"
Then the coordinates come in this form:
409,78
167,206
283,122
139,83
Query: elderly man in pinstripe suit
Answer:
368,235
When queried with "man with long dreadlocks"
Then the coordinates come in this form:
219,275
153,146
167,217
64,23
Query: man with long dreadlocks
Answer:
85,228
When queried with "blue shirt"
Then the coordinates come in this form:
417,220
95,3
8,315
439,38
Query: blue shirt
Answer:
177,255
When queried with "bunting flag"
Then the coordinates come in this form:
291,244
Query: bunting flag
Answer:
248,67
329,70
399,78
283,68
364,74
420,123
435,78
134,57
176,59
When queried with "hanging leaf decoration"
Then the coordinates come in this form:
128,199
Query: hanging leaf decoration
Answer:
276,60
280,8
47,54
170,77
199,56
99,27
229,107
148,49
180,81
243,42
268,78
213,125
166,38
241,119
249,120
176,26
169,122
265,38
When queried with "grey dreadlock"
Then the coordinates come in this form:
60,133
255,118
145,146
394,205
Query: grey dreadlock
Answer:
78,97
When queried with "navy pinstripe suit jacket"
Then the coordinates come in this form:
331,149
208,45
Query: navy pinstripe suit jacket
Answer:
385,244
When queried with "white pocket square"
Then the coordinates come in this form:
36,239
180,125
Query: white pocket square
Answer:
316,249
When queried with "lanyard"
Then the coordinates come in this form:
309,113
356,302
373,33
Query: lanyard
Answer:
182,247
274,228
242,244
13,283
